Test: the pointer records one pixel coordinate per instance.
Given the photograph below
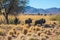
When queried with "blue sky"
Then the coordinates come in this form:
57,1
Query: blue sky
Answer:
44,3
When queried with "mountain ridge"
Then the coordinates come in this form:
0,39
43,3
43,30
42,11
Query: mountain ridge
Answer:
53,10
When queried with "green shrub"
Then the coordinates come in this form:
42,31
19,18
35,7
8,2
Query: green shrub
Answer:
1,32
12,21
55,18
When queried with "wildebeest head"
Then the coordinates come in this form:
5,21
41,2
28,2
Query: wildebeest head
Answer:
43,20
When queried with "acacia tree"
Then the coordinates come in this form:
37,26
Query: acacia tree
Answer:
12,5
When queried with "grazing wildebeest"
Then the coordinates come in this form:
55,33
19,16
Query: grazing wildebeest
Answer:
47,26
41,21
28,21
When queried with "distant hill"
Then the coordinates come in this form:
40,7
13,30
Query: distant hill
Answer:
54,10
29,9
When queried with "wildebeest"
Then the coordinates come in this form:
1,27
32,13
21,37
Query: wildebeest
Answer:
41,21
47,26
28,21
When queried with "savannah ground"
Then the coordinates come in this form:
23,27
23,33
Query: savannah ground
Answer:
23,32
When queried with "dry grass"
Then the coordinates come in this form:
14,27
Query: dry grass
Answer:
22,32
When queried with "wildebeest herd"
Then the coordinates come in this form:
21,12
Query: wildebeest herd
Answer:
29,21
40,22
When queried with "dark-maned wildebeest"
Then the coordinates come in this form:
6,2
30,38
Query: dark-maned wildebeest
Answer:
47,26
28,21
41,21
